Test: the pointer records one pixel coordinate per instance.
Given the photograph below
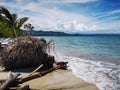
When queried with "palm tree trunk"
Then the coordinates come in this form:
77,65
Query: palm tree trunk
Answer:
14,32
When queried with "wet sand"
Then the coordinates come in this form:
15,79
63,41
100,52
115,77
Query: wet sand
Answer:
57,80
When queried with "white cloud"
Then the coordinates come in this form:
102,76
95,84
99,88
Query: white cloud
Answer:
113,25
108,15
93,28
113,12
45,18
49,17
68,1
81,27
78,1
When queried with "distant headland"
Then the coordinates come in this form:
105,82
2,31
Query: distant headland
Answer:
60,33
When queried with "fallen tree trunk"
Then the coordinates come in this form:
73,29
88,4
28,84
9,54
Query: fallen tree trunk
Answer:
26,87
35,75
25,52
11,81
60,65
14,81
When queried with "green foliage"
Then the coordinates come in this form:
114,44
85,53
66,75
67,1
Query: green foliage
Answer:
11,23
5,31
21,21
29,26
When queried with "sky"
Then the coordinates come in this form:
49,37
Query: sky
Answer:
96,16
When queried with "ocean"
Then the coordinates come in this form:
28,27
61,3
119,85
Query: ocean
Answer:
96,59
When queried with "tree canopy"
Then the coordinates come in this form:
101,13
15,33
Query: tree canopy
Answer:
29,26
10,24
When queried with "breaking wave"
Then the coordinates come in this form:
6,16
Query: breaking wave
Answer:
105,75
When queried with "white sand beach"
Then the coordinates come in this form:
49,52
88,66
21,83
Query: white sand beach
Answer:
56,80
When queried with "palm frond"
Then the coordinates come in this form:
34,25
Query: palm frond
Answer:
4,11
1,18
22,21
14,18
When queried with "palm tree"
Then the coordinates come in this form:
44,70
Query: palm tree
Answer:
5,31
29,27
12,20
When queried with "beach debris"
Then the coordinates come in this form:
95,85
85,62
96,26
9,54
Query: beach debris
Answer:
11,81
60,65
1,48
36,69
26,52
26,87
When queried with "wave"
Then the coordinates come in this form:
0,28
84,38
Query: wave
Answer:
105,75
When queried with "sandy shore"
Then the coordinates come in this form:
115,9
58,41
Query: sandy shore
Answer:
57,80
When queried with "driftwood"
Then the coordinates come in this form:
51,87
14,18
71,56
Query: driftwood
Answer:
1,48
60,65
3,80
34,75
27,52
9,82
12,79
26,87
35,70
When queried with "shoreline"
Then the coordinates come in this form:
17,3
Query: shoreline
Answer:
59,79
104,75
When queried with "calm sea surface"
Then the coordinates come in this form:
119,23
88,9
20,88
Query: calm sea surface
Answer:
100,48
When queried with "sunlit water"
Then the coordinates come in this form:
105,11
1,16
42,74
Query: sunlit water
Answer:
96,59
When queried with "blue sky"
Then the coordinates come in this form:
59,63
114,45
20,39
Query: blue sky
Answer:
101,16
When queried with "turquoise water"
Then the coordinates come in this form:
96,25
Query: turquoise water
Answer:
96,59
100,48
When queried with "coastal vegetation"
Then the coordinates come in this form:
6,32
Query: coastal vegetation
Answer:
28,52
21,51
24,52
29,27
10,24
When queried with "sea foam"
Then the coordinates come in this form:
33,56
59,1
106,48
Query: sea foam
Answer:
105,75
